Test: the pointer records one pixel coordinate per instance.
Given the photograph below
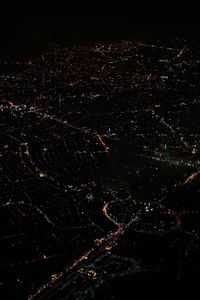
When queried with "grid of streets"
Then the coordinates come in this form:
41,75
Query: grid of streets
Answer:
99,167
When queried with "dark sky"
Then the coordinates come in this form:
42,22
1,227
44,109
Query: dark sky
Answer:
101,19
21,33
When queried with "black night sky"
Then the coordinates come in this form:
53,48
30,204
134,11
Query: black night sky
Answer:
20,33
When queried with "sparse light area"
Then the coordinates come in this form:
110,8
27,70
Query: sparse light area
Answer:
100,167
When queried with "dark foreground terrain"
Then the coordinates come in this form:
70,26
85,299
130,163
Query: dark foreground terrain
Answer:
100,168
